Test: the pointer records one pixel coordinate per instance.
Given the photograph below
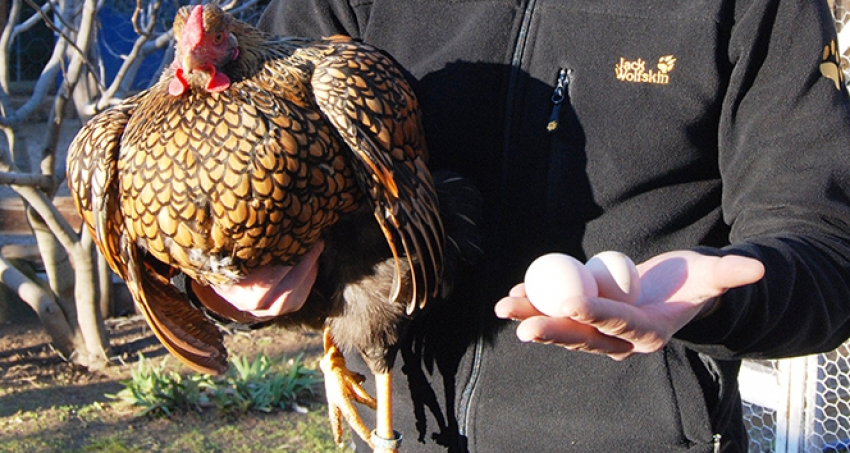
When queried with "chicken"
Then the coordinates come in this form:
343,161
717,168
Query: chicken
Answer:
254,151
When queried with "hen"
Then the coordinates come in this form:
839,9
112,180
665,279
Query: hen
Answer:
254,151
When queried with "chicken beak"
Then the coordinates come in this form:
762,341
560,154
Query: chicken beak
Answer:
192,62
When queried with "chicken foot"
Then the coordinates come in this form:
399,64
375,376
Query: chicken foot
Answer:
343,388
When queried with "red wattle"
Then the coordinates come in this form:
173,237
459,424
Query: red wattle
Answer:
218,82
178,84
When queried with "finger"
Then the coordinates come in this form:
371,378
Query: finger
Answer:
515,308
212,301
673,276
572,335
265,290
518,290
646,329
607,316
295,297
732,271
248,293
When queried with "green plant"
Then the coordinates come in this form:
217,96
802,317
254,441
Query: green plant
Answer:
263,385
157,390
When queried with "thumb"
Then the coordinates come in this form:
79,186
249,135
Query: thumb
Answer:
732,271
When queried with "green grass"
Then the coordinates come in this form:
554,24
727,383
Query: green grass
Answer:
190,433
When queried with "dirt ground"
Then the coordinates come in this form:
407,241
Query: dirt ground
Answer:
28,360
49,405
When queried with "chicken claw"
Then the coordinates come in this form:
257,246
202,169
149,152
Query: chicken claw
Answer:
343,388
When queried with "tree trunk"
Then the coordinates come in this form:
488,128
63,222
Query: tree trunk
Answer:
71,314
69,342
89,315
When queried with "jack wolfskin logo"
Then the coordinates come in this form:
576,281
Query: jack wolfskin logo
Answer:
831,65
636,71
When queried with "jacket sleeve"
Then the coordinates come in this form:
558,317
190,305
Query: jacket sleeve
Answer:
310,18
785,163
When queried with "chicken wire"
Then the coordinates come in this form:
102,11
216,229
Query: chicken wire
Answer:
841,11
798,405
802,404
27,54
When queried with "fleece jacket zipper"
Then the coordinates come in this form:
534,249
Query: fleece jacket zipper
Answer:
468,394
516,64
558,97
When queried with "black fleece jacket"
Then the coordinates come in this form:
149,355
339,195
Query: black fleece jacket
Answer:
715,125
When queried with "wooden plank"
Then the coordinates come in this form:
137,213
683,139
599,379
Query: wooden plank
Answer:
13,218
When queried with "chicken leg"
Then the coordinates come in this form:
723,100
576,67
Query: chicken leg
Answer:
343,388
384,438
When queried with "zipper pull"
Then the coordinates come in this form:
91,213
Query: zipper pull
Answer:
716,441
558,98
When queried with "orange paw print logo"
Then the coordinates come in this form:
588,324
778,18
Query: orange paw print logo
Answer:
830,67
666,64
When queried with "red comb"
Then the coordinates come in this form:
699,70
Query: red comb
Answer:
193,31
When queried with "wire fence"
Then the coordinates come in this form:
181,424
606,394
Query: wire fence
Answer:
798,405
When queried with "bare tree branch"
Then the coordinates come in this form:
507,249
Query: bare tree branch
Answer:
139,50
42,86
243,6
39,16
43,182
136,20
46,307
5,46
66,37
70,309
57,224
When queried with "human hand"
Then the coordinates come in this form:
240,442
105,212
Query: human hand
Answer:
675,288
265,293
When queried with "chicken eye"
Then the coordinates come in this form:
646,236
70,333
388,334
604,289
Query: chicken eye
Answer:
218,38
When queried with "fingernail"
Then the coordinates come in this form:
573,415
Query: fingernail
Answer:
524,334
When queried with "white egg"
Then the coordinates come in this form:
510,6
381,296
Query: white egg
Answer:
554,277
616,276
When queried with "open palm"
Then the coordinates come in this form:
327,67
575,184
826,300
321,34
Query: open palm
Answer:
676,287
